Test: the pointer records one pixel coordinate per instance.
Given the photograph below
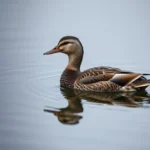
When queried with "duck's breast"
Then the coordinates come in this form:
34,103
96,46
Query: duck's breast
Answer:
68,78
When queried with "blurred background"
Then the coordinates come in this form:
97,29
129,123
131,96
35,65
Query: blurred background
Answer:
109,30
114,33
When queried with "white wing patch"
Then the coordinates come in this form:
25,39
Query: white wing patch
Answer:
124,79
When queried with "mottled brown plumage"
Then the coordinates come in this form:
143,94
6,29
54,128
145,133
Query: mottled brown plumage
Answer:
68,78
98,79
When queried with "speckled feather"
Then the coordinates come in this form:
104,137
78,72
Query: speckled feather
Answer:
102,79
68,78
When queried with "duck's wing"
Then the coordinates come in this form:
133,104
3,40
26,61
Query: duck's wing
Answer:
115,75
105,79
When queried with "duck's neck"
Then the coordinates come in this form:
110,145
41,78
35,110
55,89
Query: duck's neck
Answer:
75,61
72,70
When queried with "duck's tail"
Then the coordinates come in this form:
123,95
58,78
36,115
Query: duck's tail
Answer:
140,85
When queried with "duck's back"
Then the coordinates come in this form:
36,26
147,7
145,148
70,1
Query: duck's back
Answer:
108,79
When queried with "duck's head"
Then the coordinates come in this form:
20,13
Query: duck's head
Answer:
71,46
68,45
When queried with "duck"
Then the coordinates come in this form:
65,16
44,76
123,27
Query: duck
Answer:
97,79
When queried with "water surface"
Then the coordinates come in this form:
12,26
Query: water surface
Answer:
36,113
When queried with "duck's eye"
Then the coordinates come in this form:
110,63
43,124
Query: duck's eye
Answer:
65,43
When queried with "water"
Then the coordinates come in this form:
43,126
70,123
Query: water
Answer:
35,112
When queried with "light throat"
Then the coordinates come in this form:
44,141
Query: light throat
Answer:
75,60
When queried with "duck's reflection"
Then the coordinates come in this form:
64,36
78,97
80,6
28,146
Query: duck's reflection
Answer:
71,114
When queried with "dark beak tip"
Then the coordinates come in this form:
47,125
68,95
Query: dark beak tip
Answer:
45,53
54,50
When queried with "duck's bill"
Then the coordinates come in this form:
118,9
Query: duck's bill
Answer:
54,50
